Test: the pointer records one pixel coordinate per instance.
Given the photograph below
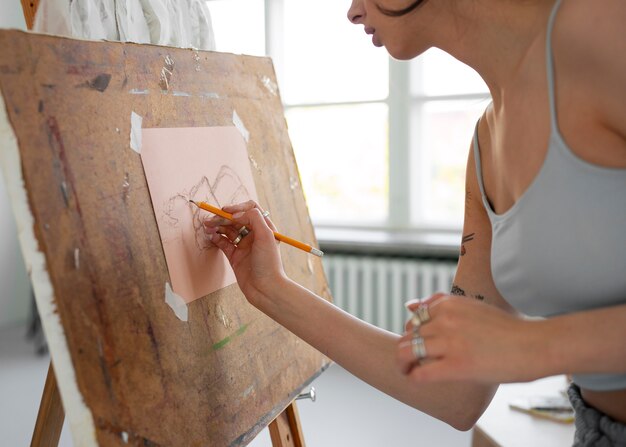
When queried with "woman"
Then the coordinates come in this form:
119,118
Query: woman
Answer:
546,202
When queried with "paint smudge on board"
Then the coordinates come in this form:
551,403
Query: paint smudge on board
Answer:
254,163
166,73
210,95
248,391
220,344
126,187
270,85
293,183
138,91
196,58
99,83
221,315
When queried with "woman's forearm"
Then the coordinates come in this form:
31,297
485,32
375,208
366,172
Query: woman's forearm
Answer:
585,342
369,353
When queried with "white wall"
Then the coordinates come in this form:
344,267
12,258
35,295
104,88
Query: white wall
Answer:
14,284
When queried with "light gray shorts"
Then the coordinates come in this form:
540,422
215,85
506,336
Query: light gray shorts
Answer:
593,428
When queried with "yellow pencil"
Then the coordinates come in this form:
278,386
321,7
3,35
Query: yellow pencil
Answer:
281,237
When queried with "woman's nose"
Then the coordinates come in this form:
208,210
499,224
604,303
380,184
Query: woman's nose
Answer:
356,12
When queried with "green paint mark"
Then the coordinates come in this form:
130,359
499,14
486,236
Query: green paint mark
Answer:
220,344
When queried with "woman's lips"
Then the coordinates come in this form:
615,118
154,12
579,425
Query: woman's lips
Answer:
375,40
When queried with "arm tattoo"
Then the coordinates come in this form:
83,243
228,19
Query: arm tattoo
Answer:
456,290
466,238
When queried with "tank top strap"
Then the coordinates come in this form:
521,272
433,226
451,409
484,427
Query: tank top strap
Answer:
479,170
550,65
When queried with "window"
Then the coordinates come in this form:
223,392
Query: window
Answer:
379,143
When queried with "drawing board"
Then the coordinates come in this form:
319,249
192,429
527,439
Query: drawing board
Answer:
130,370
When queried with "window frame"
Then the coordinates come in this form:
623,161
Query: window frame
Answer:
401,101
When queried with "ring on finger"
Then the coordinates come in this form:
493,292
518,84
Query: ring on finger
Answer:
418,347
243,232
420,316
423,313
265,213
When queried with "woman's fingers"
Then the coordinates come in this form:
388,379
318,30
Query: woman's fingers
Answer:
407,353
217,221
254,221
224,244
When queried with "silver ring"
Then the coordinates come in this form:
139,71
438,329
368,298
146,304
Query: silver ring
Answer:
420,316
265,213
418,347
243,232
423,313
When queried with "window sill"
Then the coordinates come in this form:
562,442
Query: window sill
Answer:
412,243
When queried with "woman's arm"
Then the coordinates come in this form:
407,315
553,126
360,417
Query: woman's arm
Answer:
469,340
366,351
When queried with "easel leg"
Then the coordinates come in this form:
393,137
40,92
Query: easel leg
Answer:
286,430
51,415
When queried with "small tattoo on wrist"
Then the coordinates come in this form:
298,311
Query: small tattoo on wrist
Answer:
456,290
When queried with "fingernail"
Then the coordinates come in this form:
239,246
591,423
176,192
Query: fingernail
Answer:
410,302
238,215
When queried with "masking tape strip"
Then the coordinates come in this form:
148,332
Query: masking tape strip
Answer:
240,126
177,304
135,132
79,416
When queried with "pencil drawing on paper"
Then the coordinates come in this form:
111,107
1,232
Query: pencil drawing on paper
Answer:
225,189
204,164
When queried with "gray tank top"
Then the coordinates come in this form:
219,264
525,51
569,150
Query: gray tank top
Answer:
562,246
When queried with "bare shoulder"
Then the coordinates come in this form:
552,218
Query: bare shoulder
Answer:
592,27
589,43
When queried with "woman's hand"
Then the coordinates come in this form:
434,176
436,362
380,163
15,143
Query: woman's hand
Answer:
467,340
255,257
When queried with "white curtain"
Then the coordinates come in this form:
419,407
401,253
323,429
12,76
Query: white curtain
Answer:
178,23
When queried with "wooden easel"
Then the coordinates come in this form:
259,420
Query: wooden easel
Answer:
285,430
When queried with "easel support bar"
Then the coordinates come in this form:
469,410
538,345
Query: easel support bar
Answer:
51,415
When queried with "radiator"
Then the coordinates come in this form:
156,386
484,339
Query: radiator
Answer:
375,288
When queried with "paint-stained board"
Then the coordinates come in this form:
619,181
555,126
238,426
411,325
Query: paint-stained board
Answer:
129,370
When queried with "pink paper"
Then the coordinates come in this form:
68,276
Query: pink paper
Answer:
207,164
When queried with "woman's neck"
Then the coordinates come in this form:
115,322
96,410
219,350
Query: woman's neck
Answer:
496,38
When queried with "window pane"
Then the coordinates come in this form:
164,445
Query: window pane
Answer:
343,161
239,26
328,59
446,132
441,74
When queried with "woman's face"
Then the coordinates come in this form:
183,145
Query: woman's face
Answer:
404,37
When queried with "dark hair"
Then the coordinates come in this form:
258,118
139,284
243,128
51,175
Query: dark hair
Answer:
401,12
